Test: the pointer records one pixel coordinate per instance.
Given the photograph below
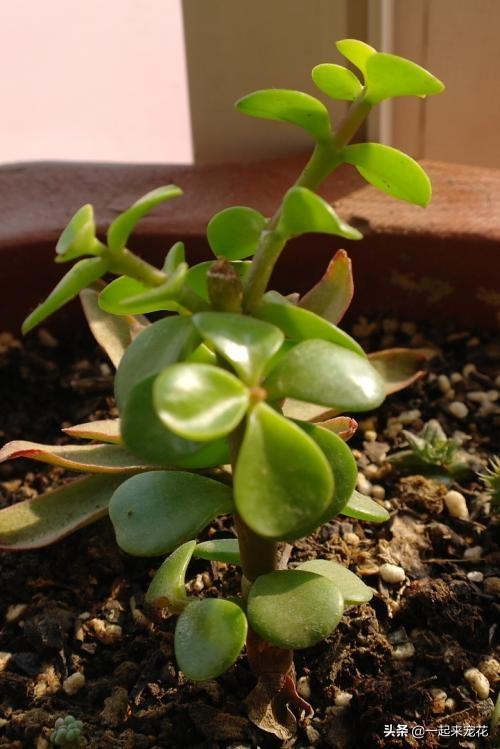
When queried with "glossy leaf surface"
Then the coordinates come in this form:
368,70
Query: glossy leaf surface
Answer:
391,171
162,343
209,637
78,238
294,609
80,275
153,513
353,589
198,401
121,228
219,550
388,76
356,51
288,106
104,430
168,588
234,233
146,436
175,257
282,481
336,81
400,367
364,508
247,344
47,518
127,296
306,212
88,458
113,334
342,464
196,278
300,324
330,375
332,295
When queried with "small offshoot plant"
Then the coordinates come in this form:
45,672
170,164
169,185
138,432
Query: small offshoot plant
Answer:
234,401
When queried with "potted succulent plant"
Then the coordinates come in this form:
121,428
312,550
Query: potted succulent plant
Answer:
236,401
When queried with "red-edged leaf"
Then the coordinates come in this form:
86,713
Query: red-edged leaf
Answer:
343,426
400,367
331,296
111,332
87,458
42,521
106,430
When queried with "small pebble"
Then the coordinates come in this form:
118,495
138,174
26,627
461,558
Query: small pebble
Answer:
493,395
378,492
108,634
475,576
469,369
490,667
458,409
450,705
474,553
15,612
352,539
304,687
492,586
404,651
443,382
342,699
73,683
455,378
409,417
456,504
478,682
197,584
363,484
391,573
370,435
4,659
439,698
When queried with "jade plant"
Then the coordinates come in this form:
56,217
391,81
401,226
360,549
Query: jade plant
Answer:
234,402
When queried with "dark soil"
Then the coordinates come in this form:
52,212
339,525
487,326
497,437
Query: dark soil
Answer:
77,606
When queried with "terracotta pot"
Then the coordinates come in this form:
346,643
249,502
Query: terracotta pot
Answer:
441,262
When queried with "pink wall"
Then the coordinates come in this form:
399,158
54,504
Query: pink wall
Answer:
103,80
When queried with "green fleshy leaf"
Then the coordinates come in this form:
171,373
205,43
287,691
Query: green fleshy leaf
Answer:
168,586
301,324
337,82
330,375
388,76
332,295
276,496
247,344
153,513
356,52
175,257
353,589
209,637
162,343
288,106
47,518
122,227
127,296
219,550
202,355
342,463
391,171
198,401
234,233
146,436
78,238
305,212
87,458
364,508
82,274
294,609
114,334
196,278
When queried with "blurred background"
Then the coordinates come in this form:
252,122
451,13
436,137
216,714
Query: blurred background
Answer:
155,80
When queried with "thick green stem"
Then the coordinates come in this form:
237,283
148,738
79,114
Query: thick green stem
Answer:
325,158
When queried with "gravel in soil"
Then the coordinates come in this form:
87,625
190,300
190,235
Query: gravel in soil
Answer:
76,639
